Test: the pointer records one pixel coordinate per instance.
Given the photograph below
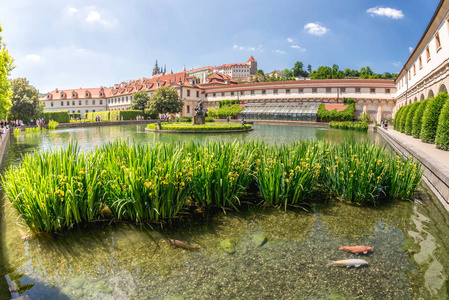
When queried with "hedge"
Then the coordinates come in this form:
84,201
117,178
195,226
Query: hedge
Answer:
225,111
58,116
409,120
115,115
431,116
102,114
75,115
345,115
204,127
403,118
227,102
358,126
417,119
397,118
442,138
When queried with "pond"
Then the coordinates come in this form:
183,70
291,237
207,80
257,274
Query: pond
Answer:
278,254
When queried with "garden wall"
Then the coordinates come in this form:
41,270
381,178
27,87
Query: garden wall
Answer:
4,145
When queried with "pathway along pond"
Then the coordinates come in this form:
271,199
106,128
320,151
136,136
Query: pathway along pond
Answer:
410,259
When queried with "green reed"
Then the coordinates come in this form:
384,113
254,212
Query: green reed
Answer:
288,174
53,125
17,132
221,172
55,190
32,130
357,126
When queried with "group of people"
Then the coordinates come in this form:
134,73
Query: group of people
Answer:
384,124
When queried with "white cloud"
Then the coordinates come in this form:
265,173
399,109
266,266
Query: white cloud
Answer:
298,47
252,49
93,16
315,29
280,51
33,57
385,11
289,40
397,64
410,49
72,10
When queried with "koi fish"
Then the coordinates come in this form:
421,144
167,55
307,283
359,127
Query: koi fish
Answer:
180,244
357,249
348,263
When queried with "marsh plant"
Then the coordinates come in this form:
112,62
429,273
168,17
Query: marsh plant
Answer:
55,190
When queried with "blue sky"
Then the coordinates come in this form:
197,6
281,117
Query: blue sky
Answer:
72,44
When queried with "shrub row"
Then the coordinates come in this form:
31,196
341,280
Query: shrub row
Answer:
58,116
427,120
139,182
204,127
358,126
116,115
75,115
345,115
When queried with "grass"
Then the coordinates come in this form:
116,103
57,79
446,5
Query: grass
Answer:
56,190
204,127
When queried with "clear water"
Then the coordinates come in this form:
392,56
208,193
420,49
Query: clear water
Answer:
124,261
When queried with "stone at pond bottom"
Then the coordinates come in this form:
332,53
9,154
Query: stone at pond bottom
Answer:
77,282
228,246
259,239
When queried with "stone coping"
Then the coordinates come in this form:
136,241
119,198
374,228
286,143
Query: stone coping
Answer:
436,175
278,122
4,144
198,131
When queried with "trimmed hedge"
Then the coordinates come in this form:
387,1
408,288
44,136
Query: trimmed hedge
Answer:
345,115
58,116
431,117
75,115
403,118
102,114
204,127
358,126
417,119
225,111
116,115
397,118
442,138
409,120
227,102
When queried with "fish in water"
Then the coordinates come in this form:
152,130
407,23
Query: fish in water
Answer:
357,249
180,244
348,263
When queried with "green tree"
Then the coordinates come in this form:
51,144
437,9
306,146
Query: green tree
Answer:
6,66
309,69
260,73
287,73
139,100
25,100
325,72
165,101
298,70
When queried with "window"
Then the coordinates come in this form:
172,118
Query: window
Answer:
275,91
414,69
62,95
222,94
427,53
409,74
87,111
68,103
101,94
328,90
73,95
252,92
343,90
93,110
87,94
48,96
93,102
79,111
79,102
242,93
188,93
232,93
188,109
357,90
109,100
372,91
387,91
301,90
264,92
73,102
62,103
197,94
420,62
101,102
314,90
214,94
73,111
87,102
437,41
51,103
287,91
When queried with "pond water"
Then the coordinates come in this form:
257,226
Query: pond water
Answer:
278,254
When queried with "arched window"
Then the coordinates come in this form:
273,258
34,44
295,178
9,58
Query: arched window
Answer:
431,94
443,89
421,98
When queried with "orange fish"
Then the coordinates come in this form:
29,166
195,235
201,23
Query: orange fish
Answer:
357,249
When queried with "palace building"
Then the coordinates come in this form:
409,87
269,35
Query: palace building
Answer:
425,74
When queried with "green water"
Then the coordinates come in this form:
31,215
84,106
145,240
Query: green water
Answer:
123,261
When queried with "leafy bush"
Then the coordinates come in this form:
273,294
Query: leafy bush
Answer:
431,117
403,118
75,115
410,116
151,113
348,101
204,127
227,103
58,116
345,115
417,119
365,118
442,138
358,126
209,119
53,125
225,111
212,112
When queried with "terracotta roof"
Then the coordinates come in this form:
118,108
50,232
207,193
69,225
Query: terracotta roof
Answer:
251,58
230,65
338,107
74,94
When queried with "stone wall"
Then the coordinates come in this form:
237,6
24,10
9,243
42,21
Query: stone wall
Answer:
4,144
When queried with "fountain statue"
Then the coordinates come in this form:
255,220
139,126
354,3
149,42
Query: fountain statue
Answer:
199,117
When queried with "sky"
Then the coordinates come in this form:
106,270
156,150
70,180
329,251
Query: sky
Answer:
78,43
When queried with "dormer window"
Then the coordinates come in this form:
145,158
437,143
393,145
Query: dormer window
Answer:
87,94
101,94
62,95
48,96
73,95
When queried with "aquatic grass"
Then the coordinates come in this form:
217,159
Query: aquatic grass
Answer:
358,126
32,130
55,190
288,174
203,127
53,125
143,182
221,172
17,132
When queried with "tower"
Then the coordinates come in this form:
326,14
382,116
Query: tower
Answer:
156,69
252,66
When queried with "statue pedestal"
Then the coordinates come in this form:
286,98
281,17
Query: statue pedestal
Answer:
199,120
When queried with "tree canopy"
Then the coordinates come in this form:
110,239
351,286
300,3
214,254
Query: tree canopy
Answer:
165,101
6,66
139,100
25,100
